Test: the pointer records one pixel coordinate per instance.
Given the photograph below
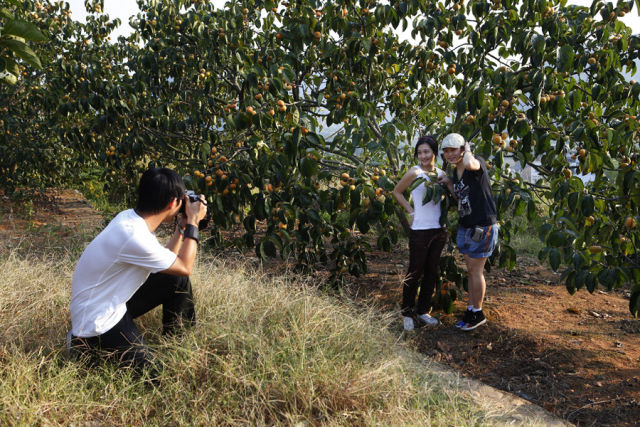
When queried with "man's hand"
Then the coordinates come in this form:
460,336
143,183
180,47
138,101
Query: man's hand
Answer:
181,221
195,211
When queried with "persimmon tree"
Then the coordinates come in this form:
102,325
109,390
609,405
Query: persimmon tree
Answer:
15,35
17,58
294,117
41,110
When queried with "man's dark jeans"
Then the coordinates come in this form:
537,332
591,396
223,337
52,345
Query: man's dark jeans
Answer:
124,343
425,247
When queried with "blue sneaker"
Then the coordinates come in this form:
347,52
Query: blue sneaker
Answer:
477,318
465,319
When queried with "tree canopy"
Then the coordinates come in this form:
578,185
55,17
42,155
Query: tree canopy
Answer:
296,118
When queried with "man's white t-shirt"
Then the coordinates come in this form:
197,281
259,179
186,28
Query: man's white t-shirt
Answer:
427,216
111,269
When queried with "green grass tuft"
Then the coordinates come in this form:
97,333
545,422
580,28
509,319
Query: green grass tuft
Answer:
265,351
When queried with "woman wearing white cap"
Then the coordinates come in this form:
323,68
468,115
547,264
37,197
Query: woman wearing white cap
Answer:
477,228
426,239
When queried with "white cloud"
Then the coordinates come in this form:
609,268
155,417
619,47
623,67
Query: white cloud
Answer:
123,9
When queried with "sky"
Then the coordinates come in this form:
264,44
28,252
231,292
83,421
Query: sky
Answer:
124,9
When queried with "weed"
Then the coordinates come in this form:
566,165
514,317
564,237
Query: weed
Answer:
265,351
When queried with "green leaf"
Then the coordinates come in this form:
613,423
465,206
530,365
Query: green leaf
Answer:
510,257
581,277
521,128
266,249
591,282
384,243
531,210
8,78
23,29
628,180
393,236
573,200
565,58
11,66
538,43
356,198
568,222
520,207
608,277
543,231
558,106
415,184
308,167
570,282
362,221
587,205
634,300
23,51
554,259
259,208
6,13
428,194
579,260
249,223
595,91
556,239
575,98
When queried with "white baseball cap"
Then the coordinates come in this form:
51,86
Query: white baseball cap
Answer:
453,140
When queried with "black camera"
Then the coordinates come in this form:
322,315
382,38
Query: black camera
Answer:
193,197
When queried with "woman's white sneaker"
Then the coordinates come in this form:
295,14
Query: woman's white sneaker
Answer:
408,324
428,320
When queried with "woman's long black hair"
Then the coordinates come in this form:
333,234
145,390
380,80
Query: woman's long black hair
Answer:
426,139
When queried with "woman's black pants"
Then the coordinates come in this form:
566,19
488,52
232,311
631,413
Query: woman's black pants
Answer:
425,247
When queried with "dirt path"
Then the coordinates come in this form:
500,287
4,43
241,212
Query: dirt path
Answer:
577,356
58,215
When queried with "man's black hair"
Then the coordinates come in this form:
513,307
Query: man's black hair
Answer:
427,139
158,186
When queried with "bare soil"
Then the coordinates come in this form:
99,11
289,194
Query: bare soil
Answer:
576,356
55,215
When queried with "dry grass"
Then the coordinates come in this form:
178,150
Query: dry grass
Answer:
264,352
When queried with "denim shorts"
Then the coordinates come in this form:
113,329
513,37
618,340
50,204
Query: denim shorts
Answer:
482,249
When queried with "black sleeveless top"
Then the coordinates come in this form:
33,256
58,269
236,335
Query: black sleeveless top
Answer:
475,199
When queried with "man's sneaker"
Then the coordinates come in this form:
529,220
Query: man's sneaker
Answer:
465,318
408,324
428,320
477,319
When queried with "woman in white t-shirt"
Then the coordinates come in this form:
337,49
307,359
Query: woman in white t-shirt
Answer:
427,237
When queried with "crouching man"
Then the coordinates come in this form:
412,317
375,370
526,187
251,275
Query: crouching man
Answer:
125,272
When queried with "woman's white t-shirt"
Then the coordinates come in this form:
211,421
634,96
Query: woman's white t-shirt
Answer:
110,270
425,217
